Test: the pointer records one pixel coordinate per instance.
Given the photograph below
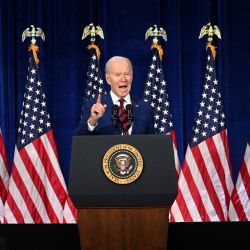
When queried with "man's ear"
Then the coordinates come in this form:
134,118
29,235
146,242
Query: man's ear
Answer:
107,78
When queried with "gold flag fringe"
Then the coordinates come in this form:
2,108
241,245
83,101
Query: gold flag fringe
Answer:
93,46
159,48
34,49
213,49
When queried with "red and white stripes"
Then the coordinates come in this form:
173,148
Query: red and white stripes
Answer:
205,184
4,176
37,191
240,205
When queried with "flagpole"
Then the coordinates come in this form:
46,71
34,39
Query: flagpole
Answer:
156,90
94,83
205,183
37,191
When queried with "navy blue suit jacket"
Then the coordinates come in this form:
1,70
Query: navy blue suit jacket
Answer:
142,124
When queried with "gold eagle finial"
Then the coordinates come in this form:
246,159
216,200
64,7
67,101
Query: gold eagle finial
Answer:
155,32
210,30
92,31
33,33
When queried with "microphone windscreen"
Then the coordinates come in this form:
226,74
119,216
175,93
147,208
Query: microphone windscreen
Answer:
115,109
129,108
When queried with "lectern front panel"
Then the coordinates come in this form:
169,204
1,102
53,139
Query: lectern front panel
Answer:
90,187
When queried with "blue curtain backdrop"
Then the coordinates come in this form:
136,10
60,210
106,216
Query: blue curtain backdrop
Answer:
64,60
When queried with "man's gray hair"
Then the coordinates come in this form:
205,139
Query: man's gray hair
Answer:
116,59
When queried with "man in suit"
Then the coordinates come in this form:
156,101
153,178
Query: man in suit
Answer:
130,117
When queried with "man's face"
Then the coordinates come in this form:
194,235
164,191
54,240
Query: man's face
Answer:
119,77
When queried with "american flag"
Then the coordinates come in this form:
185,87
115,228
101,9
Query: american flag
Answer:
37,191
94,83
155,93
205,183
4,176
239,209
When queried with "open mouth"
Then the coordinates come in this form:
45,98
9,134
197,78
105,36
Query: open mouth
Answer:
123,87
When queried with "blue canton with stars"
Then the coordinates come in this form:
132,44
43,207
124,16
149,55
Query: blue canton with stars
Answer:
210,118
94,83
155,93
35,120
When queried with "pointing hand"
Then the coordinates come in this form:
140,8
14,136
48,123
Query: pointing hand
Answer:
97,111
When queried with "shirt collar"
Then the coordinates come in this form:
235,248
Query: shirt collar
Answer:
116,99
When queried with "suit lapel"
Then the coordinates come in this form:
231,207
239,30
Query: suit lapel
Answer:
136,109
108,100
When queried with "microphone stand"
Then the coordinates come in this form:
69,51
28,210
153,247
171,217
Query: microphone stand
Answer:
114,115
130,116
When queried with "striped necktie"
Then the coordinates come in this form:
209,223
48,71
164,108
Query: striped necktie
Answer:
123,117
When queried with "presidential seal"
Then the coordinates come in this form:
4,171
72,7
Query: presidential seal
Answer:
122,164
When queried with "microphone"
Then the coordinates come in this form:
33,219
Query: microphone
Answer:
130,114
114,114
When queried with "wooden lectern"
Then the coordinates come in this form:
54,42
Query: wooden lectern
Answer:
130,216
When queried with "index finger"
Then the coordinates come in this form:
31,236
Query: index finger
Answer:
99,98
